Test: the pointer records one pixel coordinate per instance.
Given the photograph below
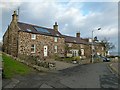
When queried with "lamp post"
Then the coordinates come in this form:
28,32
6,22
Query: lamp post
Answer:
92,43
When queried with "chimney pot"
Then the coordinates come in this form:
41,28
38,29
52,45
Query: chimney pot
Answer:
55,27
15,16
78,34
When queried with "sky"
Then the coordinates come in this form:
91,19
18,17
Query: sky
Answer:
71,15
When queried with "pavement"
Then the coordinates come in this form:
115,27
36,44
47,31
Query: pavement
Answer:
114,67
95,75
63,65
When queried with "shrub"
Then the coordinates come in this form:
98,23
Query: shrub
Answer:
56,57
97,60
68,59
28,58
76,58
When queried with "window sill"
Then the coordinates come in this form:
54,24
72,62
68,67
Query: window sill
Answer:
32,52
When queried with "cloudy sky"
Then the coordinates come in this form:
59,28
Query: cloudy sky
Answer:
72,16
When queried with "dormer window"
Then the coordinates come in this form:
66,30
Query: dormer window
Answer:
55,39
29,30
33,36
57,34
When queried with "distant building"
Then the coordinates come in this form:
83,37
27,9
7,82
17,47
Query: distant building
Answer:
77,46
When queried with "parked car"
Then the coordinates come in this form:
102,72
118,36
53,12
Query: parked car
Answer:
105,59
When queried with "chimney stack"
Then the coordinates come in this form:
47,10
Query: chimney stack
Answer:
78,34
55,27
15,16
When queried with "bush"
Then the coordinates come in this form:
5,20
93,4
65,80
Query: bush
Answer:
68,59
56,57
97,60
76,58
28,58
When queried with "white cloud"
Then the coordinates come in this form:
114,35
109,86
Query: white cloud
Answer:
109,32
10,4
69,16
94,0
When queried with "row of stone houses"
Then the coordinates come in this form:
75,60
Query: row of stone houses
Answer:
28,39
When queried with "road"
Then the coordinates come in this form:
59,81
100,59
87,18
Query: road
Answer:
95,75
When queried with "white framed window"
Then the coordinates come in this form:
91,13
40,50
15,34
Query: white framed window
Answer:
102,48
33,48
33,36
69,45
93,47
55,39
55,49
90,40
74,52
81,46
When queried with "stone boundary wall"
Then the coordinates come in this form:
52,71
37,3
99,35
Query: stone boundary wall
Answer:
115,60
86,61
42,66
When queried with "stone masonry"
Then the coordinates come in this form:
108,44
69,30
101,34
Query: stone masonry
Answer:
25,41
17,41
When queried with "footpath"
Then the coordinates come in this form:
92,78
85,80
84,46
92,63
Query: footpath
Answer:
115,67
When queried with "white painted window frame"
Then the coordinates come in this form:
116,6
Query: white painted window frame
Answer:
56,49
33,48
102,48
33,36
70,45
55,39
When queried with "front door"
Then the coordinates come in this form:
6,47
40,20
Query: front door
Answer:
45,50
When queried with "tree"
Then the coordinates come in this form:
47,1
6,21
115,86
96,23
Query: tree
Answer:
108,45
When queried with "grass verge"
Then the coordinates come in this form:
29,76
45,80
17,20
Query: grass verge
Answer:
13,67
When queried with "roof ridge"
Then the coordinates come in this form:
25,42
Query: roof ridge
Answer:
35,25
69,36
73,37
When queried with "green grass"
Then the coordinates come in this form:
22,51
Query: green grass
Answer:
13,67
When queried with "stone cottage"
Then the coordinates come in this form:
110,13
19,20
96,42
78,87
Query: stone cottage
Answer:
28,39
76,46
22,38
98,47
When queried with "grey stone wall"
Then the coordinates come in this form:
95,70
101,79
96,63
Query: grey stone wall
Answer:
25,42
10,39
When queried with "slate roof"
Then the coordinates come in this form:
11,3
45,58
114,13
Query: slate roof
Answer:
25,27
76,40
32,29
